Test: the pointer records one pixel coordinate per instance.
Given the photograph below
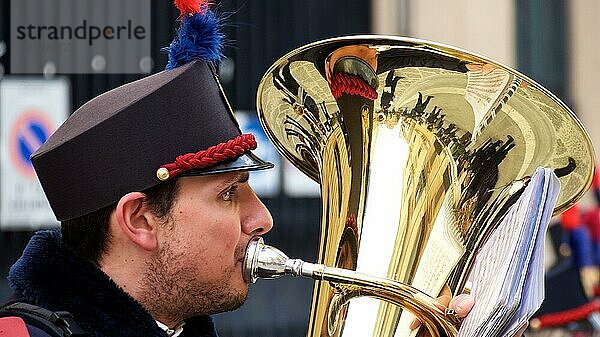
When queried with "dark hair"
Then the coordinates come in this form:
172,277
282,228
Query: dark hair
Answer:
89,235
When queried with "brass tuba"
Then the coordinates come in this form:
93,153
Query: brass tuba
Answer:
420,149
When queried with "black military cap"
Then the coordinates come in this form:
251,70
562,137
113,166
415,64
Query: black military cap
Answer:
143,133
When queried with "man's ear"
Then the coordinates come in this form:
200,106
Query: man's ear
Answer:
136,221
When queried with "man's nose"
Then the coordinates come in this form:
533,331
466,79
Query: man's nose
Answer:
257,219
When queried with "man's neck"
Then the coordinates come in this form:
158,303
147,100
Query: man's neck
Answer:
124,272
129,273
127,270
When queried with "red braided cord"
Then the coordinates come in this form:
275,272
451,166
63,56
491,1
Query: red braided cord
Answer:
343,83
568,316
211,156
351,223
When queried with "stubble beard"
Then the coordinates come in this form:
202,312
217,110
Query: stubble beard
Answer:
172,291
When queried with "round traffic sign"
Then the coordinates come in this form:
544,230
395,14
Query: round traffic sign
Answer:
30,130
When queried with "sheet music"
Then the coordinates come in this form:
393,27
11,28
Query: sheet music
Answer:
508,274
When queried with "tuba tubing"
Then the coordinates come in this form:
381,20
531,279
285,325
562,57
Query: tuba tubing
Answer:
264,261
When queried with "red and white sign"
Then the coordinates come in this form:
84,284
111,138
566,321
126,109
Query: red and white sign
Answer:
30,111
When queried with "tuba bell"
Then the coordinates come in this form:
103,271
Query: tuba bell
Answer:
420,149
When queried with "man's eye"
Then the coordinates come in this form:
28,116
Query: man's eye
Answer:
229,194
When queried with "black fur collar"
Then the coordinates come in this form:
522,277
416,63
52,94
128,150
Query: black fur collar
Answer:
50,275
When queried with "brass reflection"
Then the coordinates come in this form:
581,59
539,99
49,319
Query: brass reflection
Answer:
420,149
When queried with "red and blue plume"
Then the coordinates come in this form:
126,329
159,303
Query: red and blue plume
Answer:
199,36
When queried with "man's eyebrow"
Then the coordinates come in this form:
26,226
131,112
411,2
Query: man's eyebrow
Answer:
243,177
240,177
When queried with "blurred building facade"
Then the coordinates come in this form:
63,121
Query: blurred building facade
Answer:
548,40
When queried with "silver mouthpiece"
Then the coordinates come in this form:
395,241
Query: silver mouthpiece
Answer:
267,262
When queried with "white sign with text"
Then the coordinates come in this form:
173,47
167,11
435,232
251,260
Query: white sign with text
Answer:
30,110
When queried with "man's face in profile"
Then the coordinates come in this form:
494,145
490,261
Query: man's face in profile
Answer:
197,268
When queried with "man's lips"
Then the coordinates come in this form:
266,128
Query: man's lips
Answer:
241,258
240,253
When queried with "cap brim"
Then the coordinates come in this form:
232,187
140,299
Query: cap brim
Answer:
246,162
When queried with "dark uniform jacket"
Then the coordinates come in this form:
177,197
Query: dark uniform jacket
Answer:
51,276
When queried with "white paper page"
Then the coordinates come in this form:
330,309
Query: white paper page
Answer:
508,272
